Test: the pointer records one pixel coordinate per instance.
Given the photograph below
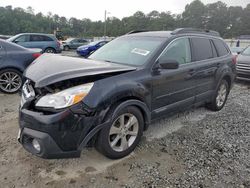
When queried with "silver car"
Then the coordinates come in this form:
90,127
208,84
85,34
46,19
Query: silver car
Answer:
243,65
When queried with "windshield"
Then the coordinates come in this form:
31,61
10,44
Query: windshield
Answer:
236,49
11,38
94,43
128,50
246,51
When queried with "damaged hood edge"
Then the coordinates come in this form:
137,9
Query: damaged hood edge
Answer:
50,69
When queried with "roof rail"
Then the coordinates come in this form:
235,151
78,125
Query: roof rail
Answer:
136,31
194,30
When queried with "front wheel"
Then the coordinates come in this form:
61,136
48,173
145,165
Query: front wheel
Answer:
220,97
123,134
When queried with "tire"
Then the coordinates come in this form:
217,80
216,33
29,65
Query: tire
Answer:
11,81
66,48
50,50
220,98
115,142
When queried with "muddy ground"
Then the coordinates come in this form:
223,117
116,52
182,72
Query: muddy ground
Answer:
197,148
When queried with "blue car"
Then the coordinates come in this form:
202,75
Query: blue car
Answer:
47,42
86,50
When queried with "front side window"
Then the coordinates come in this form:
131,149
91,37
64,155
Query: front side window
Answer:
23,38
179,51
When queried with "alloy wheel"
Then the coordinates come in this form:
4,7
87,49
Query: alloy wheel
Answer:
123,132
221,95
10,82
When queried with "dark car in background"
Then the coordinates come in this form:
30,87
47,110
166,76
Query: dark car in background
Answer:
47,42
243,65
73,43
14,59
110,98
86,50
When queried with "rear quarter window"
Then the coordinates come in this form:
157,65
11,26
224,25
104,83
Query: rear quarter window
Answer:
201,49
220,47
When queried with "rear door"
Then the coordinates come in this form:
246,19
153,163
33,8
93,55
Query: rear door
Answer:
204,56
37,41
174,89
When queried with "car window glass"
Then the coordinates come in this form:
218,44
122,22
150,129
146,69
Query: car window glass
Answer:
102,43
246,51
46,38
179,50
202,49
36,38
220,47
23,38
128,50
213,49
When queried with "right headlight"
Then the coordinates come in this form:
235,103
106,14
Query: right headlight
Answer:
66,97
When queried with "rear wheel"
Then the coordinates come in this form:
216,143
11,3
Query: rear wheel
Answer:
220,98
50,50
10,81
123,134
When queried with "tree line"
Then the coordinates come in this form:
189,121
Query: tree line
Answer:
230,21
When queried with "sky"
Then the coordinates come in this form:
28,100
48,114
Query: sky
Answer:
94,9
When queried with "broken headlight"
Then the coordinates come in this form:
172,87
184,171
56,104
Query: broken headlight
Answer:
66,97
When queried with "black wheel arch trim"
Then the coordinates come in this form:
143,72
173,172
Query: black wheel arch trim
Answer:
142,107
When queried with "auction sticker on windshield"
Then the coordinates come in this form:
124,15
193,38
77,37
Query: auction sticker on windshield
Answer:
140,51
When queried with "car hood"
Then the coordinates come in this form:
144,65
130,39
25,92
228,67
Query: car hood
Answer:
50,68
243,59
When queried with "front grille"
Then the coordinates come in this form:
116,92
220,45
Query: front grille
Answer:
243,67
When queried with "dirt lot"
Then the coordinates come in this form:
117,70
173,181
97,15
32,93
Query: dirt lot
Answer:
197,148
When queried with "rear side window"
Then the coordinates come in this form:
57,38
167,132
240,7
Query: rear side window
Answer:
202,49
46,38
220,47
39,38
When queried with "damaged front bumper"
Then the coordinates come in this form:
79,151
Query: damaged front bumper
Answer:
60,135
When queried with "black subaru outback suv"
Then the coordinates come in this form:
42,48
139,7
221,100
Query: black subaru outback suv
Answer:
109,99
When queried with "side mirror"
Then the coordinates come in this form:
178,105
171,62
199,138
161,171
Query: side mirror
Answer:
168,64
238,53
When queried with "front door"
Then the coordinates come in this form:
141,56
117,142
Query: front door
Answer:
174,89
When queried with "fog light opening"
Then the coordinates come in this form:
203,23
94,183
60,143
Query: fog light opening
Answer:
36,145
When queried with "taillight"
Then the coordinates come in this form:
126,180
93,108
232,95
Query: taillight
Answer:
36,55
234,59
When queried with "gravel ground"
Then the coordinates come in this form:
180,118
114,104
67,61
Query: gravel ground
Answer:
197,148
